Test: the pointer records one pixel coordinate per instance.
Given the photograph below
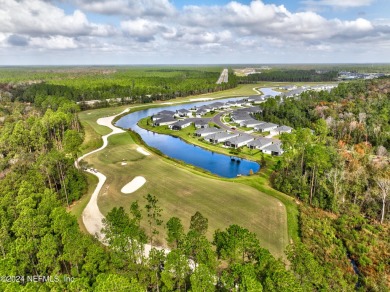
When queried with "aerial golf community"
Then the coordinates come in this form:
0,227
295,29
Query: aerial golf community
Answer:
205,178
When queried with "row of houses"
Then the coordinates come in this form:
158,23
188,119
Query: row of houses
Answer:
181,124
236,140
245,102
244,117
296,91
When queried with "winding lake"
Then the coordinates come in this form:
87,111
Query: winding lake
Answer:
216,163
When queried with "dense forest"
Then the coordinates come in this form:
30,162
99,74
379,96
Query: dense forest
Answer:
336,165
123,85
337,160
292,75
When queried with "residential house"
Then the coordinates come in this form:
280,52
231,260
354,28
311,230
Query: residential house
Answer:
274,149
256,99
201,124
251,123
200,112
180,124
183,113
164,121
266,127
207,131
163,114
252,110
260,143
239,141
219,137
238,118
280,130
217,105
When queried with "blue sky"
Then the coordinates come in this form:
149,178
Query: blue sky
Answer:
66,32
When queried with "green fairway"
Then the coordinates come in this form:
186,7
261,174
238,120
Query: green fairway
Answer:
181,193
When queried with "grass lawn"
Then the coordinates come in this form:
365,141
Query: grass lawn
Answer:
181,193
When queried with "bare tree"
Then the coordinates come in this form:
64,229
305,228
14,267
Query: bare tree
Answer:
384,186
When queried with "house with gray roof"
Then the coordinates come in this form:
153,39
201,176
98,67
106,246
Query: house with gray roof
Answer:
255,99
238,141
201,123
280,130
266,127
166,112
253,109
219,137
201,111
238,118
207,131
250,123
164,121
217,105
163,114
183,113
274,149
179,125
260,143
237,102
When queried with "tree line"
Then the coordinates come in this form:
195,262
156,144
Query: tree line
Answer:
291,75
337,161
122,87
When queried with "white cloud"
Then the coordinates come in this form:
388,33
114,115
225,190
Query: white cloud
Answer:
54,43
339,3
135,8
142,29
34,17
263,20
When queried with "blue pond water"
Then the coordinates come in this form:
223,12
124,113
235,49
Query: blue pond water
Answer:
216,163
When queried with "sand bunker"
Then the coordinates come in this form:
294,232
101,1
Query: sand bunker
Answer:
124,163
134,185
143,151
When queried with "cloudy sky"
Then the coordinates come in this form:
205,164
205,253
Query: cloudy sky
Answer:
66,32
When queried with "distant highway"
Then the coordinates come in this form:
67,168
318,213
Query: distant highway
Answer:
223,78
